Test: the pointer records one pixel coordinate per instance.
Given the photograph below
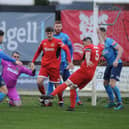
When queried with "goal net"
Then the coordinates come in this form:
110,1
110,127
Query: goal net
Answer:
113,17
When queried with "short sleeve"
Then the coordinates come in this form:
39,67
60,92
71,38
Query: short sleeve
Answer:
112,42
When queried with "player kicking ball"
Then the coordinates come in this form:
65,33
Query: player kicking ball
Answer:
82,76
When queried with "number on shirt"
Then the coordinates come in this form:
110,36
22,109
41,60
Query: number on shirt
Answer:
97,53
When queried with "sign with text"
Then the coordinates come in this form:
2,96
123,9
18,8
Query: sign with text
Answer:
24,31
79,24
29,83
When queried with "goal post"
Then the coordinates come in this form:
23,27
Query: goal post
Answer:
95,26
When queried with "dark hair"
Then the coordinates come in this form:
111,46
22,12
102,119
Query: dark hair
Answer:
1,32
87,38
15,52
102,29
49,29
58,22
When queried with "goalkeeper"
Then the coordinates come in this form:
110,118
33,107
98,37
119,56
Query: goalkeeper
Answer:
3,88
10,75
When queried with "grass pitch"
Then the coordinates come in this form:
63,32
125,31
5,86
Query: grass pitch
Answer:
32,116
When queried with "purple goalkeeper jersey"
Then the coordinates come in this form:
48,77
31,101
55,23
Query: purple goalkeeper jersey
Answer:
11,72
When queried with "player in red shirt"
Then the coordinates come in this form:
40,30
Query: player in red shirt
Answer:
50,63
84,75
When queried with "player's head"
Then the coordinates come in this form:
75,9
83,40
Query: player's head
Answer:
16,55
87,41
103,31
1,36
58,27
49,32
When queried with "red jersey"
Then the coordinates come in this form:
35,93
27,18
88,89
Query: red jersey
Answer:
96,52
50,48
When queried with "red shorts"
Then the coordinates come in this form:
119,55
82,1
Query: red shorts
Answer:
52,73
81,78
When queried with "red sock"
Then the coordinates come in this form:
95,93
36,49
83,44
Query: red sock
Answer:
41,89
60,96
73,97
59,89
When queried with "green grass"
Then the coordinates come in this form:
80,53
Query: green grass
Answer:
32,116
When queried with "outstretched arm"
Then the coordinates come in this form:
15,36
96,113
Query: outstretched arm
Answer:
8,58
100,37
28,71
37,53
